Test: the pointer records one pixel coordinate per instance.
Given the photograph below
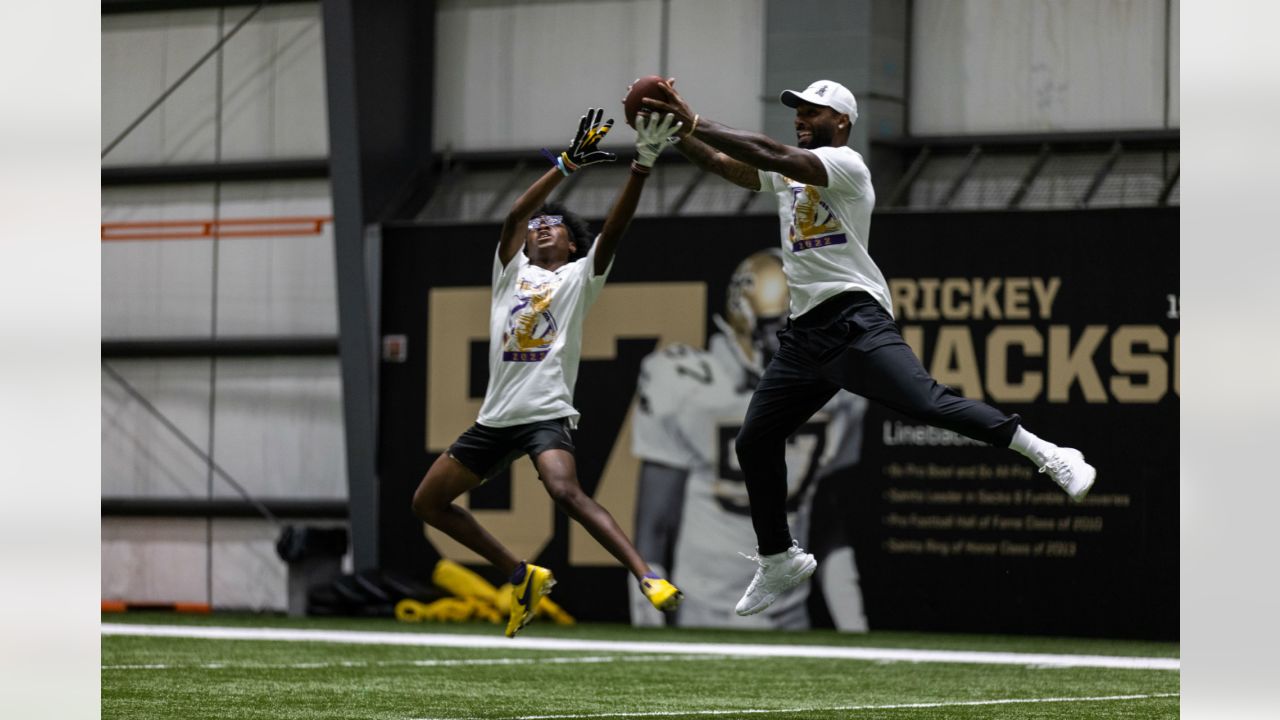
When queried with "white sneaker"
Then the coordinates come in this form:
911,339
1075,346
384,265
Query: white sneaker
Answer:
777,574
1067,467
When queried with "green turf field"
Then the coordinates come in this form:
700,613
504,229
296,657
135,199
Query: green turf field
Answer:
147,677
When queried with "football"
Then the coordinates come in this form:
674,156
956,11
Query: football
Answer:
646,86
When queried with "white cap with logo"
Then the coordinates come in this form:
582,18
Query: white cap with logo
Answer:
827,93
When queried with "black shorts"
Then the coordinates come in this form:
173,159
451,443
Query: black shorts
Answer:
487,451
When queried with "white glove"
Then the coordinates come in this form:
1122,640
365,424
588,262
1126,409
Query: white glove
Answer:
653,135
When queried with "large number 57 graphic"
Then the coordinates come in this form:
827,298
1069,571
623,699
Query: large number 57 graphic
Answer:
668,312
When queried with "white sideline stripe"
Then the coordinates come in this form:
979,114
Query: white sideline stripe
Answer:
839,708
669,648
589,659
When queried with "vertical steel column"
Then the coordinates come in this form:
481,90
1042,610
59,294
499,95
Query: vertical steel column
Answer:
355,331
213,301
380,59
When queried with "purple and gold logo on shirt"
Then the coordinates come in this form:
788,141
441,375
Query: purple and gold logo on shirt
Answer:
531,327
813,224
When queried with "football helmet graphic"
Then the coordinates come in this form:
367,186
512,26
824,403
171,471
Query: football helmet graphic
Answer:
757,304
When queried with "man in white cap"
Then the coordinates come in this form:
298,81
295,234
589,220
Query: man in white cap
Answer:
841,332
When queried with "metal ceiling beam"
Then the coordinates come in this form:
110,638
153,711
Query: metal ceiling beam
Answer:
285,169
507,187
687,192
122,7
970,161
1031,142
1029,177
318,346
1169,185
904,182
1103,171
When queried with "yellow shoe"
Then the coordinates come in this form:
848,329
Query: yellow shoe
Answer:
662,594
546,609
526,595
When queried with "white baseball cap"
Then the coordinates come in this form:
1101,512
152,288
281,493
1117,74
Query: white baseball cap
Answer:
828,93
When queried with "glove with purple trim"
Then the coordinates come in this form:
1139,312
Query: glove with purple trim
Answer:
585,147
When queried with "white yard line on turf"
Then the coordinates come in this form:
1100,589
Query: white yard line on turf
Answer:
667,648
572,660
840,708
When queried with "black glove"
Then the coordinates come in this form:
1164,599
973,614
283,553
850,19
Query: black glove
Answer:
583,151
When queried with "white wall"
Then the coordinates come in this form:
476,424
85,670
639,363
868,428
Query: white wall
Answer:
273,87
1037,65
276,422
266,286
140,457
717,57
519,74
277,428
171,560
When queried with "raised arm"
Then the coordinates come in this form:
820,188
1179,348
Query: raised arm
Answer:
712,160
582,151
753,149
652,136
517,222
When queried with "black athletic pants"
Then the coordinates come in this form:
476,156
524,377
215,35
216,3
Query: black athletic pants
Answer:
848,342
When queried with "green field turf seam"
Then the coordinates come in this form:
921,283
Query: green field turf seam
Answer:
1034,660
839,708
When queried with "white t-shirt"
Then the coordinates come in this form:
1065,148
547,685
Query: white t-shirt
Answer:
825,231
535,339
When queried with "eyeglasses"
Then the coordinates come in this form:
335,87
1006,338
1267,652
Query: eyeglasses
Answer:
547,220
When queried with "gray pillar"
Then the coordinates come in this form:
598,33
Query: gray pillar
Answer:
379,59
355,332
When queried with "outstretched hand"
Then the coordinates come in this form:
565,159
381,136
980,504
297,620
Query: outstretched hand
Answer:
671,103
584,150
653,135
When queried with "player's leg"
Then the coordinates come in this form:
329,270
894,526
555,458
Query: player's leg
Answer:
558,472
477,454
433,504
787,396
557,469
892,374
659,508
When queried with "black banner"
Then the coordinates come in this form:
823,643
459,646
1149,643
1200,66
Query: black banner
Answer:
1068,318
1071,320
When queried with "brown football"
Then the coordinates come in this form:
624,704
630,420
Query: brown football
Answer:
646,86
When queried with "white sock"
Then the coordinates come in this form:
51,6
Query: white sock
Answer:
1025,442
